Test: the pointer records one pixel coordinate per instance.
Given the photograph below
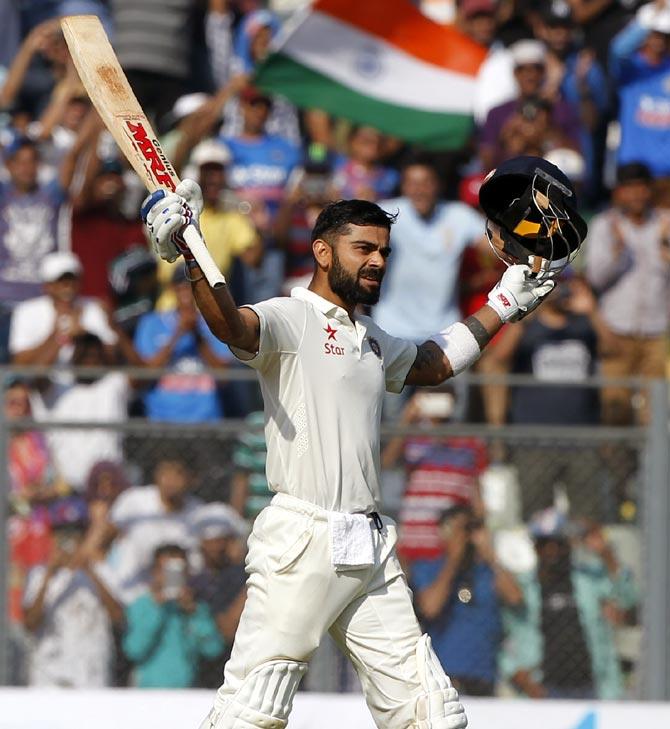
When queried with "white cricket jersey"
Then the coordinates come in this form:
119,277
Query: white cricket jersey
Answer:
323,379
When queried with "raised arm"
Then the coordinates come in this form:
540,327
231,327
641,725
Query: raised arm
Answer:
456,348
165,215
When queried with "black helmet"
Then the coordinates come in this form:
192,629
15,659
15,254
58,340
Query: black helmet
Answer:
534,204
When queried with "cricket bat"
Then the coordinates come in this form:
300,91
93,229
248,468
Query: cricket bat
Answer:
111,94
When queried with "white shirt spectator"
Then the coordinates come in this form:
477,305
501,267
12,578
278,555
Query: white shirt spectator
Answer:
74,645
495,83
145,524
33,321
76,451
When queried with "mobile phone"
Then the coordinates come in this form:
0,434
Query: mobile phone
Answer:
174,577
435,404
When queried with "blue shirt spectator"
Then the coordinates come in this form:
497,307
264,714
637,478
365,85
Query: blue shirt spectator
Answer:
459,597
640,66
260,162
180,339
466,635
427,241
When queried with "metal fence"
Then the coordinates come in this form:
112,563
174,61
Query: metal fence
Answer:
583,605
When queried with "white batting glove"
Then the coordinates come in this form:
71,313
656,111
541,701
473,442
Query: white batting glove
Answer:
167,214
517,294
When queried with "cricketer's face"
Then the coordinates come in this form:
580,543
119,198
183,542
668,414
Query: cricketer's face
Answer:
359,263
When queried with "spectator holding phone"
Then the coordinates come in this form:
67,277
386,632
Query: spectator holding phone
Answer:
44,329
537,121
168,630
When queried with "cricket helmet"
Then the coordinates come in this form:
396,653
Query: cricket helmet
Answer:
532,216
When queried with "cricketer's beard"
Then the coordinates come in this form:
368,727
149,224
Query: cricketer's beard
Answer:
346,285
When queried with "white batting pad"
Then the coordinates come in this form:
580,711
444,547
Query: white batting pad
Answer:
263,701
438,707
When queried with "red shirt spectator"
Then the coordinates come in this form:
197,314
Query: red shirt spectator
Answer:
100,233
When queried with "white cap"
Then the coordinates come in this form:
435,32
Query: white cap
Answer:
216,520
651,17
528,52
568,161
55,265
661,21
209,151
187,104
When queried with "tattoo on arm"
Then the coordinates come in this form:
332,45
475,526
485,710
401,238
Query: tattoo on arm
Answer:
478,331
429,366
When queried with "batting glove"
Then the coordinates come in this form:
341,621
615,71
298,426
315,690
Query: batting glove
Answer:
517,293
166,215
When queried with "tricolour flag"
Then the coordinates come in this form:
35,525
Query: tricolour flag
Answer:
382,63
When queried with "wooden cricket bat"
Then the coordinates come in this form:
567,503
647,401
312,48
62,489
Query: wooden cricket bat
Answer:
111,94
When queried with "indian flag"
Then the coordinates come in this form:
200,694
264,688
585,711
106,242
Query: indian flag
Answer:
382,63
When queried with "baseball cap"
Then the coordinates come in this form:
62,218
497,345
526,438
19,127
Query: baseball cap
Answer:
470,8
660,21
253,93
216,520
55,265
19,142
549,524
528,52
557,12
209,152
110,166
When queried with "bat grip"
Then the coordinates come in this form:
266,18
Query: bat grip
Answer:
203,257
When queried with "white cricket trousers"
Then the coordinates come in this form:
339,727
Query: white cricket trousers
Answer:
294,595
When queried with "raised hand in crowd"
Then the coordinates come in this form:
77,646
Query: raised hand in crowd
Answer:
44,39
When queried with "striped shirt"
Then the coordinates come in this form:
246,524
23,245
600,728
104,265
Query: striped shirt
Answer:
154,35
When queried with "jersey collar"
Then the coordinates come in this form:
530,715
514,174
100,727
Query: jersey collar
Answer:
323,305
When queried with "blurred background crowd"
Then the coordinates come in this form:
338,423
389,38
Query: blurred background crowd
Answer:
521,555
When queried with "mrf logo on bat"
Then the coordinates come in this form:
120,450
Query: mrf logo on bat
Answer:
158,166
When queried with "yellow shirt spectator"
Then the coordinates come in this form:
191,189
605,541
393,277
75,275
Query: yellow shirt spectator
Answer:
228,234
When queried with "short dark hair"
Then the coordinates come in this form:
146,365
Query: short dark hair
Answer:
420,159
168,550
633,172
336,217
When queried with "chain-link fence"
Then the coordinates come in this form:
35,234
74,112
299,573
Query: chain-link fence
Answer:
537,554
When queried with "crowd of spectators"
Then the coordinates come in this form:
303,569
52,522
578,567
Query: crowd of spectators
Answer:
119,547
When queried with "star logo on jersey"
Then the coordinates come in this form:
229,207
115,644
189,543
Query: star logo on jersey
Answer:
331,333
374,346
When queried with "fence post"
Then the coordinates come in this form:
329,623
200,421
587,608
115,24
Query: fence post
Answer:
4,551
656,535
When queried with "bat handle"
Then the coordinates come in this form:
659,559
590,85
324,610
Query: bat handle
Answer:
203,257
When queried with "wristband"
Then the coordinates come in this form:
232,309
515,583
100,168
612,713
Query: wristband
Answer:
189,266
459,346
